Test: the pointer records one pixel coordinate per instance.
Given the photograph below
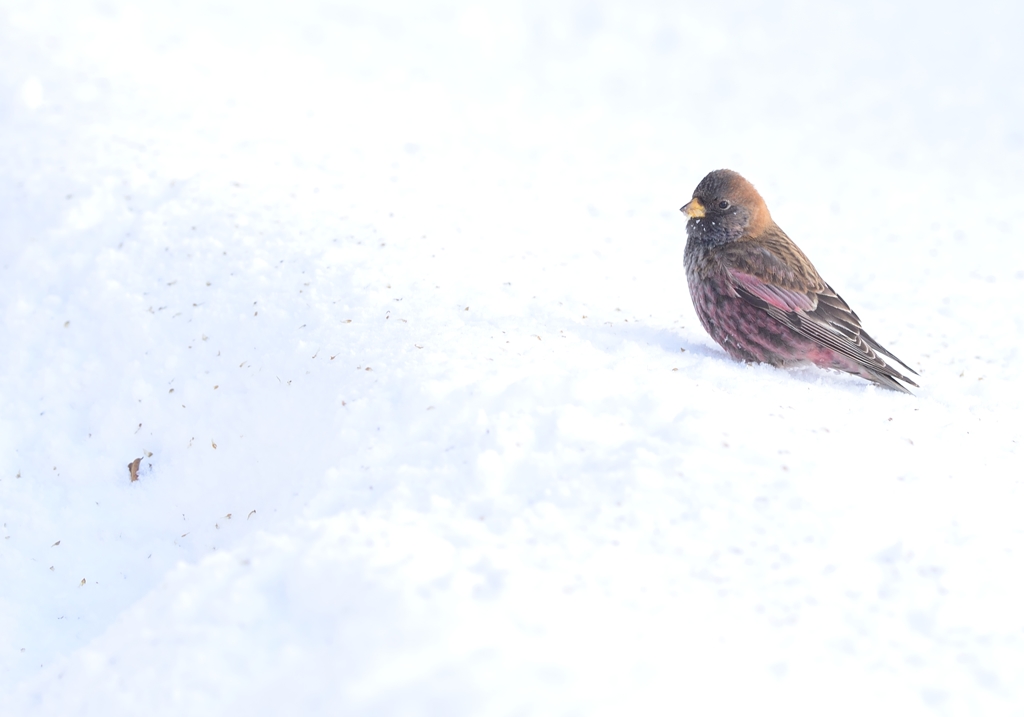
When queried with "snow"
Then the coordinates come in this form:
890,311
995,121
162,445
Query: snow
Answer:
389,300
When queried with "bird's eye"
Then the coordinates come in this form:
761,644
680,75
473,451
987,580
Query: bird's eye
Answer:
724,204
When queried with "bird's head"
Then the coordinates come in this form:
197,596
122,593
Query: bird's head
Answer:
725,207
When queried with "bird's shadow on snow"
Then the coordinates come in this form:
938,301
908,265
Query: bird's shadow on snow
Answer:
675,342
610,336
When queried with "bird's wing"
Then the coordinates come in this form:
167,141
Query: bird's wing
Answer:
798,298
780,297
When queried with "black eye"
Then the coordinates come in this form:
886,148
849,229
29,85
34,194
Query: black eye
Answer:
724,204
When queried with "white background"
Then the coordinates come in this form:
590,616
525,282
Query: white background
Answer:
389,299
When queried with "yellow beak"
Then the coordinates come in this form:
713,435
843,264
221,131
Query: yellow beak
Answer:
693,209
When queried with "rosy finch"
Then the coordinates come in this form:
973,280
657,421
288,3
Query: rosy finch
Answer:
760,298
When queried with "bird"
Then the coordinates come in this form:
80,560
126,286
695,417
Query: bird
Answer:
760,298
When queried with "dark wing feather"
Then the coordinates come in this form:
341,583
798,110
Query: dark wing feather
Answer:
796,296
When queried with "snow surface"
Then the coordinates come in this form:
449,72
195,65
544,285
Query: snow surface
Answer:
389,299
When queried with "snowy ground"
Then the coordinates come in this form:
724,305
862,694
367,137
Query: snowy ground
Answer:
390,301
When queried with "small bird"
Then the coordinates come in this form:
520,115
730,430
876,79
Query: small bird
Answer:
760,297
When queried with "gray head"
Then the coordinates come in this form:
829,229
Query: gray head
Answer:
725,207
